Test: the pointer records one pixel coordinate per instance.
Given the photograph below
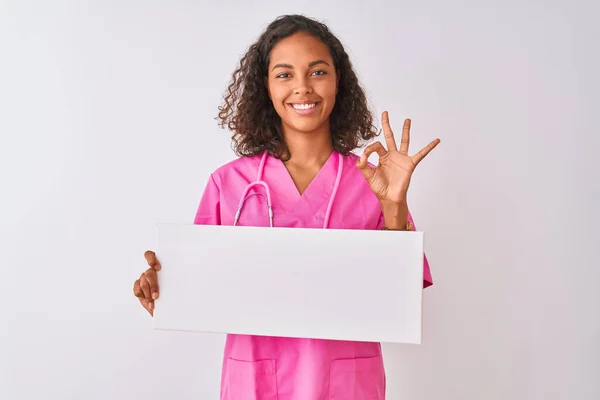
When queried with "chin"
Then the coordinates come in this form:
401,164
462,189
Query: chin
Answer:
306,126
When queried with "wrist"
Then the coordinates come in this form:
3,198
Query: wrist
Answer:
393,204
395,215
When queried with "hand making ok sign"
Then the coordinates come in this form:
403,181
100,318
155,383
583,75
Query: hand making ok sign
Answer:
390,179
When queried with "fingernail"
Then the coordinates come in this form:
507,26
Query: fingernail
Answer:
155,295
151,305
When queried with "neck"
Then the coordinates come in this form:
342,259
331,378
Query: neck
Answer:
308,148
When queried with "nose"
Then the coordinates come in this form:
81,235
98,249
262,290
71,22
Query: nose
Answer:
303,88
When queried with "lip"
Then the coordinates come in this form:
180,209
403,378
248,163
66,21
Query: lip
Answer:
305,112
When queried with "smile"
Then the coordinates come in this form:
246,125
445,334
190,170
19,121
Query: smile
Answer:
304,108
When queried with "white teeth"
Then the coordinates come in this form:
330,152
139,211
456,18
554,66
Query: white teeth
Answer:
304,106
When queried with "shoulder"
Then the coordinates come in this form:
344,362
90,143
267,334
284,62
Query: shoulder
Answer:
357,205
350,168
350,161
239,168
352,158
354,180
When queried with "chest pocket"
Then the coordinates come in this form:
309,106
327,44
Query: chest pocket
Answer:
358,215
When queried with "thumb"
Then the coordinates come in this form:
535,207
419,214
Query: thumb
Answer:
150,257
363,165
363,162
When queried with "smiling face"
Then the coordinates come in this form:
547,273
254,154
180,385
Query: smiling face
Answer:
302,83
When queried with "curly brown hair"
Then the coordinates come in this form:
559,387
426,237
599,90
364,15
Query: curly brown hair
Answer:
249,114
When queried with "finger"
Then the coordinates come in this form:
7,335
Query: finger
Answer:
424,151
150,257
405,137
148,305
137,290
363,162
152,279
387,132
145,286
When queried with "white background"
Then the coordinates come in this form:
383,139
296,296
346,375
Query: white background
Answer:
107,127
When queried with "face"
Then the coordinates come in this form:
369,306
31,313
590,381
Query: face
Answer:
302,83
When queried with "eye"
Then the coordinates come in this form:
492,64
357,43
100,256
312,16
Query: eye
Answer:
319,72
283,75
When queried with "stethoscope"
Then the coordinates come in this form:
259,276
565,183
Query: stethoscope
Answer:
264,184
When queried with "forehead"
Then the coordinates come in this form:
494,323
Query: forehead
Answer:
299,48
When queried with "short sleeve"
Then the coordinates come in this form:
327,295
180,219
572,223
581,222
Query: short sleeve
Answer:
209,209
427,279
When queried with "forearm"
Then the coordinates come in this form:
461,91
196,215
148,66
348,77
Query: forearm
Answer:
395,215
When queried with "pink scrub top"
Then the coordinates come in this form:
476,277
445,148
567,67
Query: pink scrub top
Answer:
276,368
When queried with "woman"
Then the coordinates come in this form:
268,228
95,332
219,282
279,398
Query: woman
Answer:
297,111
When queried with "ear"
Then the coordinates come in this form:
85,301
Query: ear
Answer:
337,81
266,80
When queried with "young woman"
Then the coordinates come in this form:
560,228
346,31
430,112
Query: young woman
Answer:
297,111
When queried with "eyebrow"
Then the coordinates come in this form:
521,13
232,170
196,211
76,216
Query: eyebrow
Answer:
311,64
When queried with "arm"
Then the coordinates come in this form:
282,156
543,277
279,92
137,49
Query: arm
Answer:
396,218
395,215
209,209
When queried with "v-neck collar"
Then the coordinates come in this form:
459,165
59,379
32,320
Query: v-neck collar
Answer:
282,185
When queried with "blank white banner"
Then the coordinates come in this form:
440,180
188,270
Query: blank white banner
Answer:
310,283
